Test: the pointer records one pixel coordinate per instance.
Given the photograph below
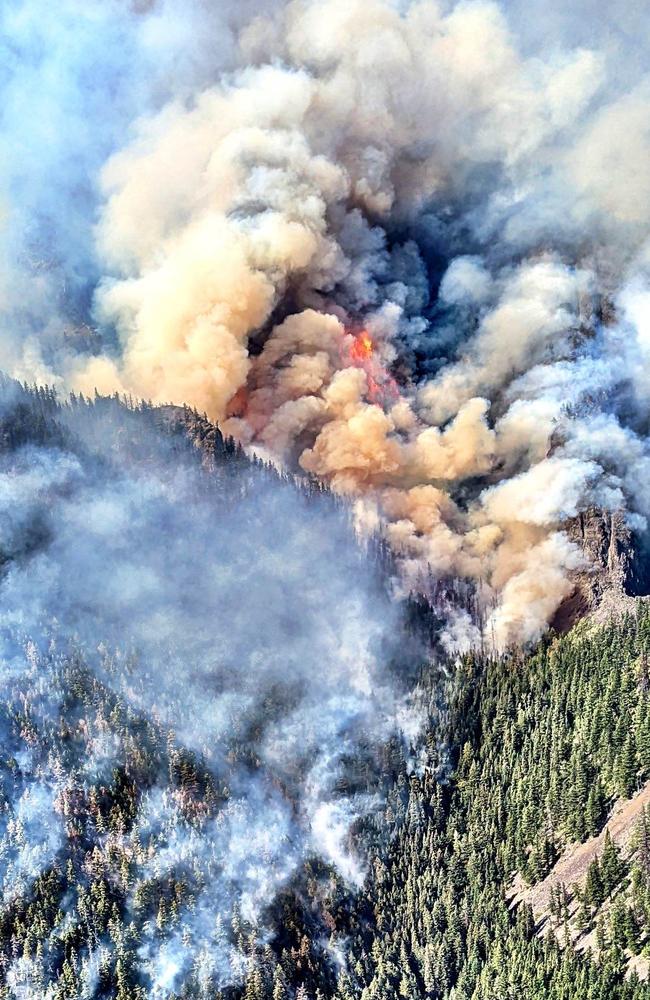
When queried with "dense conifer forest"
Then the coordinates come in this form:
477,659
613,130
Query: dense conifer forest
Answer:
541,746
518,756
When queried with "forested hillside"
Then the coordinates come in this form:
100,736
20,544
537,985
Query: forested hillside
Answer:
542,745
158,841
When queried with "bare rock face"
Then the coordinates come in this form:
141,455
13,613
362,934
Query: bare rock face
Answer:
607,542
616,573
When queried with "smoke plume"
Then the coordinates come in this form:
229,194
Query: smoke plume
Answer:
400,247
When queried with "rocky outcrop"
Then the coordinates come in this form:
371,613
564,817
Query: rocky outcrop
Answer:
617,570
200,432
608,544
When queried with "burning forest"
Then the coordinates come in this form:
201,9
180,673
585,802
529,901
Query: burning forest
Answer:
401,250
325,448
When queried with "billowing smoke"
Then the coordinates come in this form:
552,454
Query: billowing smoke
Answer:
398,246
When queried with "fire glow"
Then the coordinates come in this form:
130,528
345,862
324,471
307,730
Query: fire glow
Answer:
362,347
382,388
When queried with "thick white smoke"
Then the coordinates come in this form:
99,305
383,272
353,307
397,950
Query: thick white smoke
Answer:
399,247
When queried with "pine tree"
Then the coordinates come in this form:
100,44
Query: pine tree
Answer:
594,892
627,767
611,867
594,809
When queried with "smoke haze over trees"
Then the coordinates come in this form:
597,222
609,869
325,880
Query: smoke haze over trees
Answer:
196,655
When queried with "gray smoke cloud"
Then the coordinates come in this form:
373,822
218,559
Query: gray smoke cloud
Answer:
399,247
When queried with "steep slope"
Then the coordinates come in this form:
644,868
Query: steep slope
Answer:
561,903
616,571
543,745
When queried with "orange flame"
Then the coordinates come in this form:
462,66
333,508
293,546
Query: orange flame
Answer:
362,347
382,387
